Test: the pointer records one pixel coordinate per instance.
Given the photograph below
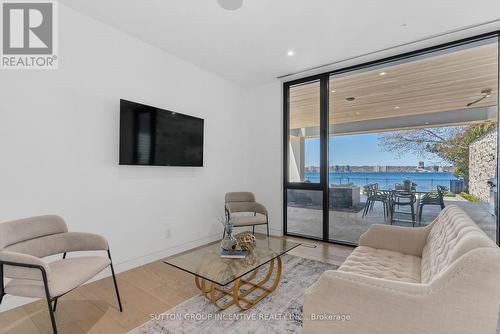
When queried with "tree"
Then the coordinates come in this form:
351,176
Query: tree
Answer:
451,144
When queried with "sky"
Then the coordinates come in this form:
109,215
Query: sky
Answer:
359,150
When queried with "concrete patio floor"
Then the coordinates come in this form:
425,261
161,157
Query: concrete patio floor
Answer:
348,226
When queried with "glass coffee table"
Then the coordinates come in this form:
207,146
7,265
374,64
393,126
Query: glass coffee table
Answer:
227,282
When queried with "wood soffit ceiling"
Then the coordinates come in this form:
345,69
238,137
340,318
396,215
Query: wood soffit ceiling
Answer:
439,83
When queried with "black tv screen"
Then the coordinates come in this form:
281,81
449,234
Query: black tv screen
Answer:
158,137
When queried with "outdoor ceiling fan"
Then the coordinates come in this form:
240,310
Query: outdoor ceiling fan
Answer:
230,4
486,93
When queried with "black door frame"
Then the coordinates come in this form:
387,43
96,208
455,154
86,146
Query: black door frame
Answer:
323,78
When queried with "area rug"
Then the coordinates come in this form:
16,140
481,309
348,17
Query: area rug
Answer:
280,312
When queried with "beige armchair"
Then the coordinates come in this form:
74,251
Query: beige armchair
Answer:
23,245
241,202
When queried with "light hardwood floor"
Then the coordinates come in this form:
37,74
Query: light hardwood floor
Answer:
150,289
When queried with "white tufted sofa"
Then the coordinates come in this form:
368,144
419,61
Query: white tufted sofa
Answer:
440,279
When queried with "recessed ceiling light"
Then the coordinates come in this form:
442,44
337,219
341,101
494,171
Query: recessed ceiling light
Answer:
333,91
426,123
357,112
290,53
396,107
230,4
382,73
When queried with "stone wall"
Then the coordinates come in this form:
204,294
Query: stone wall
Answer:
482,164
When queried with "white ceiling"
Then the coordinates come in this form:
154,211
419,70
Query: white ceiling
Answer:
249,46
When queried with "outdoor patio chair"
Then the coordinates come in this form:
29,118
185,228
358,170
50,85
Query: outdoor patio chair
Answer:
435,198
375,195
402,198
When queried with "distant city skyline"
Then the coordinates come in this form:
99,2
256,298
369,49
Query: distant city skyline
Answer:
360,150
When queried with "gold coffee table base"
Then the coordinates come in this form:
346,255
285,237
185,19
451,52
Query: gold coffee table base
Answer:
238,297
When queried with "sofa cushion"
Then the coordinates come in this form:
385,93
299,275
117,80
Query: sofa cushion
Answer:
66,275
452,235
384,264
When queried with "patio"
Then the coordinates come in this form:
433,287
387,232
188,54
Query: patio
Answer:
348,226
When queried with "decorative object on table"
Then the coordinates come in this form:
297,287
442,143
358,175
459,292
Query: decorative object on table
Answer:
246,241
228,241
233,254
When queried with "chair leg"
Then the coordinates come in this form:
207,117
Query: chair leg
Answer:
49,303
253,229
224,233
385,210
55,300
413,217
267,226
365,210
420,214
114,281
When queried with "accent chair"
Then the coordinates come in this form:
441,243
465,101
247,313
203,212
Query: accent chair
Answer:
23,245
244,202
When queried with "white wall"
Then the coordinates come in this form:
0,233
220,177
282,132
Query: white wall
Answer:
265,126
59,144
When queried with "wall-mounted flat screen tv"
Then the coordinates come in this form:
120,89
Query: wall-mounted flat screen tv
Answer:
157,137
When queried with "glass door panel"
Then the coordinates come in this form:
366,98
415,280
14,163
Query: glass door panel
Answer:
304,184
305,212
303,139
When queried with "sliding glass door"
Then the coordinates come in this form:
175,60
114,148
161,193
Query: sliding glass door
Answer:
420,128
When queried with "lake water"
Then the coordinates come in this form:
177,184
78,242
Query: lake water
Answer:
425,181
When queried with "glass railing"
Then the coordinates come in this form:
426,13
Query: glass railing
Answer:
423,184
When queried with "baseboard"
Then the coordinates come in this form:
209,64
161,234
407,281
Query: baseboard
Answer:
10,302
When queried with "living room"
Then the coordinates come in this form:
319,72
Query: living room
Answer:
162,134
